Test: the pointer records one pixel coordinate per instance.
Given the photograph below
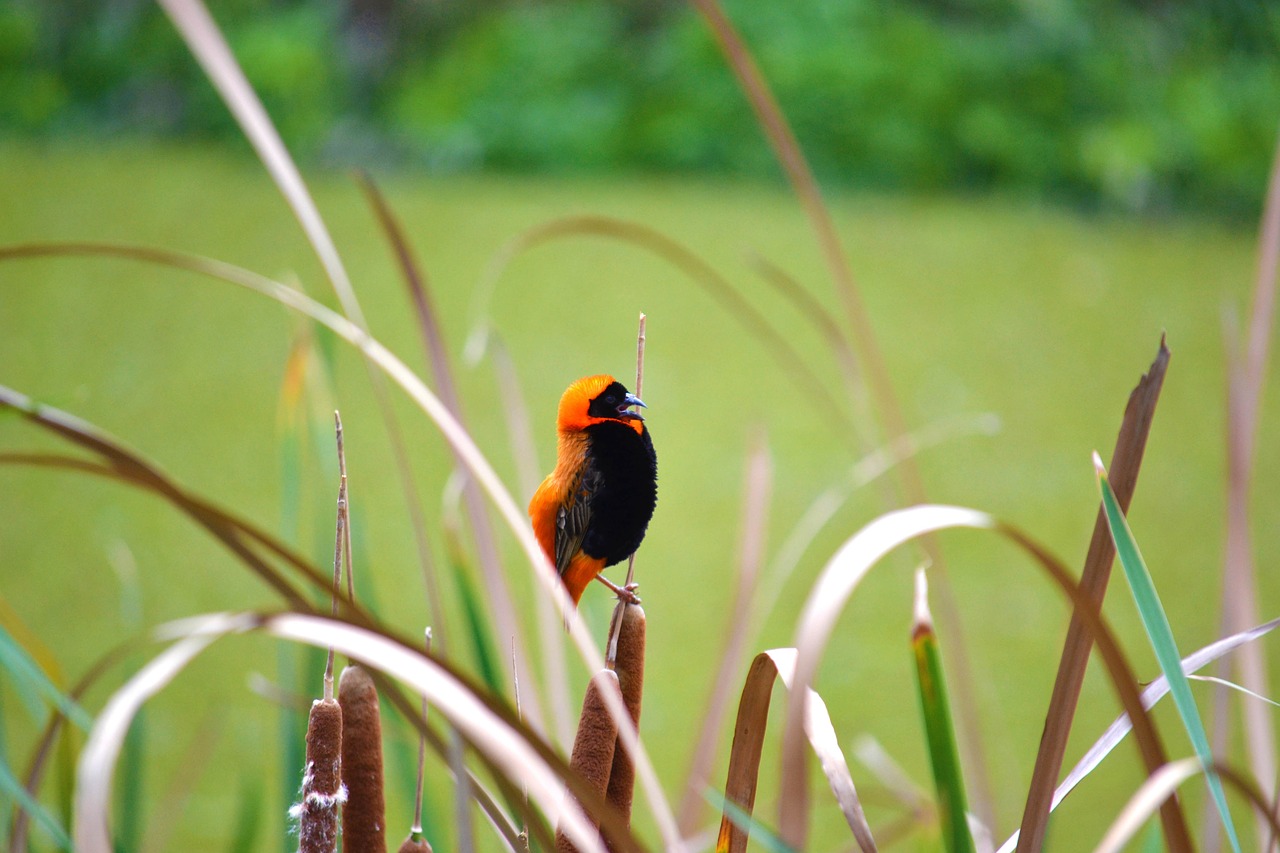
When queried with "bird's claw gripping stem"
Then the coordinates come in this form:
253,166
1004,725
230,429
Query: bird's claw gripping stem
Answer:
625,593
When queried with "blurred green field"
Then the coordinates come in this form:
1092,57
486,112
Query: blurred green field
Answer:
1040,316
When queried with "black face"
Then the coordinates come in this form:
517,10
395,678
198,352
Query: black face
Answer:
612,402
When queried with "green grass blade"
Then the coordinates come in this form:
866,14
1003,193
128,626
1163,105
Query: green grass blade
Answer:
939,727
1160,633
33,682
480,634
131,799
13,789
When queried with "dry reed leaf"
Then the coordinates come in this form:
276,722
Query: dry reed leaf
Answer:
1246,380
1152,694
826,601
629,667
322,788
198,29
92,800
1126,460
841,576
481,526
1161,785
364,824
593,746
128,467
748,742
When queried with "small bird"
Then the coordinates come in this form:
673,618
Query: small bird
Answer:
593,509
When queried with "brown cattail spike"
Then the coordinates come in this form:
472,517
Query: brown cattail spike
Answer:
629,665
594,744
364,826
322,790
412,845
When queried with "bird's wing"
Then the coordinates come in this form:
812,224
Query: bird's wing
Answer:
574,516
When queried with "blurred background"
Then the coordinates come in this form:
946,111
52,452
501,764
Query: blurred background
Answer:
1030,193
1136,104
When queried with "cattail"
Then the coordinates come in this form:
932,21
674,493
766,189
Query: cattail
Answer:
412,845
593,747
629,666
322,789
364,813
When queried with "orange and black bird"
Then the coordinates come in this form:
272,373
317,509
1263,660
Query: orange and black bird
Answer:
593,509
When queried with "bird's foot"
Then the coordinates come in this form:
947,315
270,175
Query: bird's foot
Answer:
625,593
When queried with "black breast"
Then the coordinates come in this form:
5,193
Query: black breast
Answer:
623,503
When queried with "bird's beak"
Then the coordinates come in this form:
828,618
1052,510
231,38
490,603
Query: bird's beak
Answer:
631,400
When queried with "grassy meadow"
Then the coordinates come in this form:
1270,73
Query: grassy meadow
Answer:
1042,317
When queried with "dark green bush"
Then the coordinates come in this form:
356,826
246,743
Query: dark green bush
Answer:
1111,102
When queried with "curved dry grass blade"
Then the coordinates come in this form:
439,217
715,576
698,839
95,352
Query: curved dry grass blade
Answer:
98,758
501,743
1126,460
220,524
1153,693
748,742
699,272
525,456
866,470
458,437
593,747
364,813
756,492
1162,784
827,327
130,468
193,22
841,576
826,600
1246,381
481,526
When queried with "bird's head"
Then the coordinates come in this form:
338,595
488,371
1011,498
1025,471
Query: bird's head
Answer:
596,399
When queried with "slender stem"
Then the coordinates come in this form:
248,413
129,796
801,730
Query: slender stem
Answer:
339,539
615,626
416,829
640,339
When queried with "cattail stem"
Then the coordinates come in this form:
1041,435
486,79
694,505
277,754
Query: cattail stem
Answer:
340,538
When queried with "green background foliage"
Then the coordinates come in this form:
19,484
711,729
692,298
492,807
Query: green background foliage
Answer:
1123,103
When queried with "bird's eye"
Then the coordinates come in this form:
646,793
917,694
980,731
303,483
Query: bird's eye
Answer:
611,399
